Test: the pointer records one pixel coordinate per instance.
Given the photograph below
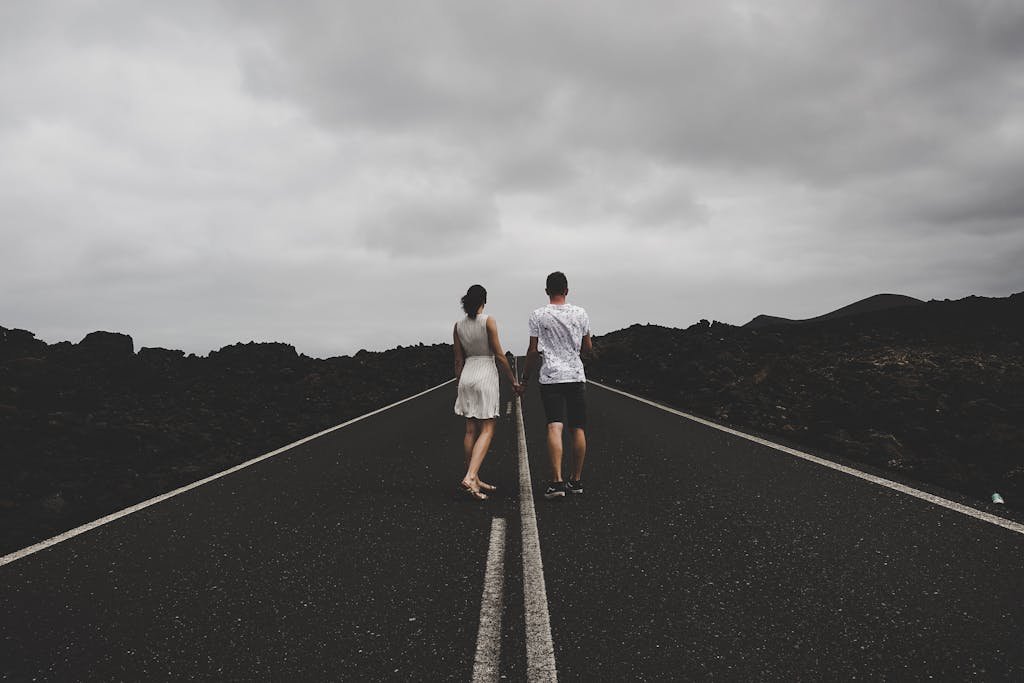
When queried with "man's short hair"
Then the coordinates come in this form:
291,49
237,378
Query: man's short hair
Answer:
556,284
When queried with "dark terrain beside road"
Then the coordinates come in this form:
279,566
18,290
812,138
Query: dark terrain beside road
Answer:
90,428
932,392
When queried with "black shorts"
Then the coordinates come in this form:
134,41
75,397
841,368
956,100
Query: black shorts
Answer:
565,399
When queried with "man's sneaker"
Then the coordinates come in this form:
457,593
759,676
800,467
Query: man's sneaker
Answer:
574,486
555,489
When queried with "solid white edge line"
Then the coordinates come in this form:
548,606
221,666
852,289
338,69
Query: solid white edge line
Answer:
540,649
18,554
881,481
487,662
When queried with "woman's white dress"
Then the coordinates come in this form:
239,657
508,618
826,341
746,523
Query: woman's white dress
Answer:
478,384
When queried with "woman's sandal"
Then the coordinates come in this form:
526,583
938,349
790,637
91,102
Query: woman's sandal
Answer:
472,493
487,487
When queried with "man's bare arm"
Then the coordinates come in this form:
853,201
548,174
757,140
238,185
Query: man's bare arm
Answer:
532,356
587,347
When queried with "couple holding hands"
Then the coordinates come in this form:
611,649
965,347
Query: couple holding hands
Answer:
559,332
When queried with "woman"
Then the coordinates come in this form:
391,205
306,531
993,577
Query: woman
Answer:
476,348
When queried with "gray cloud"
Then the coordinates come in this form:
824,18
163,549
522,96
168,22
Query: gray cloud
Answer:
197,173
424,225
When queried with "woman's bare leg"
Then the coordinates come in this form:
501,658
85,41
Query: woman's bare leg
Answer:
472,431
480,448
472,434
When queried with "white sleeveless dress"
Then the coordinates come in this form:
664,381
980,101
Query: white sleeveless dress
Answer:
478,384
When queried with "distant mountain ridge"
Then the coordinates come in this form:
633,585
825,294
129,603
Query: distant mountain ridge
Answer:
878,302
932,392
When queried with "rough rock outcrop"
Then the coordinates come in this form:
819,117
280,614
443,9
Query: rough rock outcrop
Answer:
91,428
106,345
931,392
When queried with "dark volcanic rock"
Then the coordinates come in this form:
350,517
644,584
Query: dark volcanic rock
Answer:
160,356
934,391
256,354
91,428
878,302
107,345
15,343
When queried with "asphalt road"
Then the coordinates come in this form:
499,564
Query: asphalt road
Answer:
692,555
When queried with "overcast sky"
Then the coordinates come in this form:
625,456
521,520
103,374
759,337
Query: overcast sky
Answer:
336,174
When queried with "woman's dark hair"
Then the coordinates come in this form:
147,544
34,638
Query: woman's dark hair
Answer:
476,296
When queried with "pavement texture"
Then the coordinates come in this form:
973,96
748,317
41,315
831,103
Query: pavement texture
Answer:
347,558
692,555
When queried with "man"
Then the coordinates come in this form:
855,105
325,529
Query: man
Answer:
558,333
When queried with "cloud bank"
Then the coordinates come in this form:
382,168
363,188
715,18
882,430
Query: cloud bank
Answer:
335,174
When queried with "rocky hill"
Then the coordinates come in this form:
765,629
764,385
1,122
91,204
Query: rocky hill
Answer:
93,427
878,302
932,392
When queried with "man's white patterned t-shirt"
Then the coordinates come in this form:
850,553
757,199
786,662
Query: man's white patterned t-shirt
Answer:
560,329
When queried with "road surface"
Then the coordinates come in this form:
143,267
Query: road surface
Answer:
693,554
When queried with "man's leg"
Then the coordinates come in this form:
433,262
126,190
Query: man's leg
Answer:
579,452
553,398
555,449
576,407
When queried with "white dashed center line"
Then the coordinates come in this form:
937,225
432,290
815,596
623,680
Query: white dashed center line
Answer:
488,637
540,651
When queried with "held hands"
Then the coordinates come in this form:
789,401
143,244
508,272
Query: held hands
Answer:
518,388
